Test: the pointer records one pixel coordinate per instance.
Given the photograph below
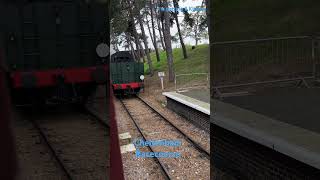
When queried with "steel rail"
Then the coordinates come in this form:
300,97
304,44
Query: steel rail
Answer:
164,170
53,152
97,118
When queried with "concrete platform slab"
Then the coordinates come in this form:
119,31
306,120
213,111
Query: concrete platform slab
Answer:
194,103
199,94
293,141
194,110
295,106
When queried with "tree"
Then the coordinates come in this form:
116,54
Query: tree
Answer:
114,41
118,24
195,25
144,37
132,12
208,5
167,37
160,24
122,22
149,29
184,50
154,31
133,51
175,38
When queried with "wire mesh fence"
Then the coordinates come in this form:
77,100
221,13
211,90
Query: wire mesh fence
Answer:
192,81
264,59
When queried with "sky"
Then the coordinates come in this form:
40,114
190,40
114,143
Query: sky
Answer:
187,4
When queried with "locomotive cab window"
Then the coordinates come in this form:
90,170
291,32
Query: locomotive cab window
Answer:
122,56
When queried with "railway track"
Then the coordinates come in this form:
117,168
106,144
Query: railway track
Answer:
195,144
97,118
163,169
69,173
52,150
149,110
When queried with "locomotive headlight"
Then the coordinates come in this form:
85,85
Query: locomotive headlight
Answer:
142,77
103,50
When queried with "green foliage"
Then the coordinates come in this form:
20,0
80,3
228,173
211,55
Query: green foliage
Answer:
194,25
198,60
187,18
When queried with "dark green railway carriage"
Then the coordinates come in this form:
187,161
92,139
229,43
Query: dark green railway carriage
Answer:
126,74
50,47
41,35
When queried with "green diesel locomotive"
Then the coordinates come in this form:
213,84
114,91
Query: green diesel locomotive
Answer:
126,74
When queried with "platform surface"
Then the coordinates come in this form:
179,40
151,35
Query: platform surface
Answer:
199,94
284,119
295,106
189,101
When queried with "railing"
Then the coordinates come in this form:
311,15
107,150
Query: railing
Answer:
264,59
190,81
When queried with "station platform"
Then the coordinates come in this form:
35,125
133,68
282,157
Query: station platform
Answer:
198,94
192,104
285,120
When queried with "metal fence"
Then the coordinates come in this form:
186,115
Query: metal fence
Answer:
264,59
191,81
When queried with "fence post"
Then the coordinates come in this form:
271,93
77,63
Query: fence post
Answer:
208,83
175,82
312,58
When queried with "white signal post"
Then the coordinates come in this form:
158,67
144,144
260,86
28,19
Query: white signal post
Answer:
161,75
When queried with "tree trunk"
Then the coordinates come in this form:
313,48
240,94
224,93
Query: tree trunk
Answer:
149,29
160,31
144,37
138,45
184,50
135,55
136,41
154,33
196,31
209,18
116,48
167,36
142,53
135,35
196,37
